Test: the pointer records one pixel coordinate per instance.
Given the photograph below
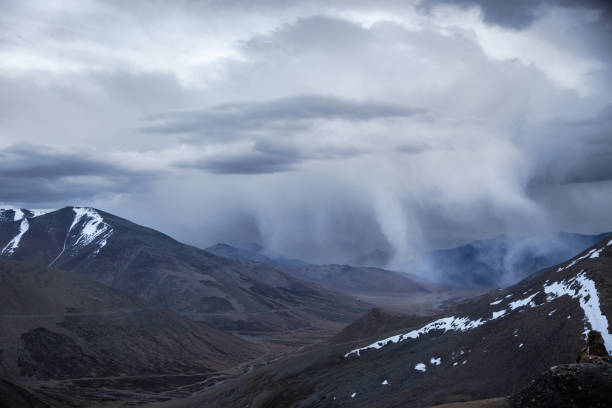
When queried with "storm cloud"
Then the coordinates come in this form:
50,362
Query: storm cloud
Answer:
46,176
319,130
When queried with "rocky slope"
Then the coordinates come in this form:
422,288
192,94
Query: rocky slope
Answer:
57,325
490,346
227,294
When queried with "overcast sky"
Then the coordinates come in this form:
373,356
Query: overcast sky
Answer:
319,129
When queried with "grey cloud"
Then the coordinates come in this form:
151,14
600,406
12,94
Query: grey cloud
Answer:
286,115
270,124
38,174
30,161
249,163
516,14
520,14
576,151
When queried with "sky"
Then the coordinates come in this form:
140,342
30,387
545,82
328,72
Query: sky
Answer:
320,130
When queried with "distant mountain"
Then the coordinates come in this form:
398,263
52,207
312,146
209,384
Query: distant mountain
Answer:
490,346
225,293
398,291
231,252
251,253
494,262
339,278
377,258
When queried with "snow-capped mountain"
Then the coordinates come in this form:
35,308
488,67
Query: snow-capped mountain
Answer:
225,293
489,346
87,231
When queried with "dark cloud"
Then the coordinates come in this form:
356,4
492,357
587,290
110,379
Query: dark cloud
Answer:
516,14
520,14
40,174
574,151
30,161
287,115
270,124
252,162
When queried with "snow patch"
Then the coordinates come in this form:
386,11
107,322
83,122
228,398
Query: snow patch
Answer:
584,290
353,395
91,229
94,227
552,312
497,302
435,361
588,255
13,244
523,302
39,212
445,324
18,214
385,382
420,367
521,345
498,314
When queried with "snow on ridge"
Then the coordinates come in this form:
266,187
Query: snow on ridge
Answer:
13,244
445,323
93,228
592,254
37,212
584,289
579,287
17,212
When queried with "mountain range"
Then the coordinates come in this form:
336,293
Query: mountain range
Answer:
489,346
98,311
390,289
224,293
